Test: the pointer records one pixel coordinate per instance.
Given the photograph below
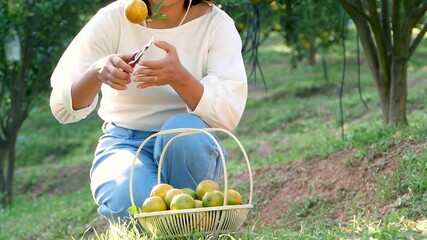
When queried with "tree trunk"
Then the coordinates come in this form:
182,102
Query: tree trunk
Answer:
325,69
393,96
398,92
312,51
378,72
7,168
386,38
2,171
10,167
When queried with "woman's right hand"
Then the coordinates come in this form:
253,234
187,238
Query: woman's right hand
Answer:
114,70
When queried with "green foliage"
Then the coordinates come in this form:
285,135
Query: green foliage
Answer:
305,34
308,35
43,30
33,34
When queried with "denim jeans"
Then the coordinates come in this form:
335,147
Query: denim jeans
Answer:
187,161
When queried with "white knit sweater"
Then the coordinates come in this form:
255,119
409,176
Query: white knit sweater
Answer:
208,46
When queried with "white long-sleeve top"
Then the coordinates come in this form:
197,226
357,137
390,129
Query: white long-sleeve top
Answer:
209,47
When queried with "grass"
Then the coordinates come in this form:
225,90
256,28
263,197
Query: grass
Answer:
296,118
48,216
52,140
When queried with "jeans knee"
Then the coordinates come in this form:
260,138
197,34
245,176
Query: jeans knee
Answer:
184,120
113,200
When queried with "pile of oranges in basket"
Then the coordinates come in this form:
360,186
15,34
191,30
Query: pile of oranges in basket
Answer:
208,193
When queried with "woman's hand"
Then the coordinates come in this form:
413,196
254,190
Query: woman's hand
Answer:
167,70
114,70
170,71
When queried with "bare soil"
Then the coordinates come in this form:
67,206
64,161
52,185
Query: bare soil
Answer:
344,182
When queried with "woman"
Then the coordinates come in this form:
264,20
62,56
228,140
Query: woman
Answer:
192,76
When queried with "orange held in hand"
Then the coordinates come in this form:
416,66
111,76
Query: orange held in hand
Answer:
136,11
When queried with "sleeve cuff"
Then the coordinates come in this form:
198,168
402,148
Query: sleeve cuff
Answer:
68,104
206,103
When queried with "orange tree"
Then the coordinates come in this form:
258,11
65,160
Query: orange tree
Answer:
387,35
33,34
308,27
250,18
389,31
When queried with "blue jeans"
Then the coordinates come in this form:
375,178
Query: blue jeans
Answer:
187,161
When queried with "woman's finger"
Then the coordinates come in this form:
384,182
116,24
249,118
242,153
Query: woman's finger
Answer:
116,85
158,64
119,74
121,62
150,81
168,48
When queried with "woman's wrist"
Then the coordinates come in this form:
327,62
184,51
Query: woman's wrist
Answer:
94,74
188,88
85,88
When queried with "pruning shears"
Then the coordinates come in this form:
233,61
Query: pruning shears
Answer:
137,56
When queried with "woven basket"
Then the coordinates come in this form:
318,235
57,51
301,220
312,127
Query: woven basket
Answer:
209,220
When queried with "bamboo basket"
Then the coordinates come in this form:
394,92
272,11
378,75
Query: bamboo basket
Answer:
212,221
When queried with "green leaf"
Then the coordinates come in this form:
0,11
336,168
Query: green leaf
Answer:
157,7
134,210
159,16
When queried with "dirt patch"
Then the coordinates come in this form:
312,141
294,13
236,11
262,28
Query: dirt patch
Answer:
339,179
52,180
324,89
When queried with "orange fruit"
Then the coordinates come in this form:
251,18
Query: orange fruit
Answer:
190,192
233,197
199,203
136,11
153,204
213,198
160,190
170,194
283,7
306,44
274,6
206,186
182,201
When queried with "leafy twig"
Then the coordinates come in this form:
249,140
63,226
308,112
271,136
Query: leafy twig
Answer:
156,13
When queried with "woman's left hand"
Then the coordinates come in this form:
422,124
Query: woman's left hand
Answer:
167,70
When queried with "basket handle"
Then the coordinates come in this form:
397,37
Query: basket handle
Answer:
185,132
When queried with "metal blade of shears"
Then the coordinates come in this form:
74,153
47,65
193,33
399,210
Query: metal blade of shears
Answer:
139,54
